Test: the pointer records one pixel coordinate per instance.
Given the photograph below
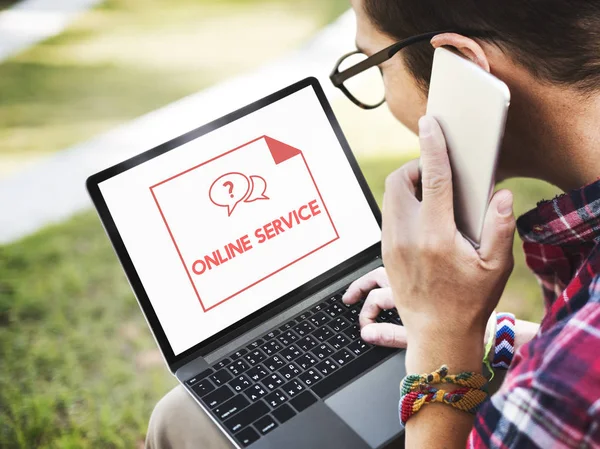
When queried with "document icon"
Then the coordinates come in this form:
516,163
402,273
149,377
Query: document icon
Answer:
243,217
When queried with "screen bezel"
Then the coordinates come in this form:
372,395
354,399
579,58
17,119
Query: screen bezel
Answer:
278,305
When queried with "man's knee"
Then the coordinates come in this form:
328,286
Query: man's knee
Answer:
178,422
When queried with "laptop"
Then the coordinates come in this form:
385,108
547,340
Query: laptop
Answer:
239,239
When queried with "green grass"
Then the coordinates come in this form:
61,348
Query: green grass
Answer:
129,57
79,367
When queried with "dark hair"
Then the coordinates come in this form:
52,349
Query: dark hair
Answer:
556,40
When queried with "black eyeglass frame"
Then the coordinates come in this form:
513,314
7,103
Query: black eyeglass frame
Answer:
338,78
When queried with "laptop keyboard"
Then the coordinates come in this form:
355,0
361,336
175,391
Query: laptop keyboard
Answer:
256,389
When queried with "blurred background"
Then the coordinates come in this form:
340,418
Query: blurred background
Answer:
78,365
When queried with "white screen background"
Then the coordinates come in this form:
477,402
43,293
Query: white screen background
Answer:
298,120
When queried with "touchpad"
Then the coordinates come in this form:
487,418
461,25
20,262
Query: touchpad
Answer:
370,404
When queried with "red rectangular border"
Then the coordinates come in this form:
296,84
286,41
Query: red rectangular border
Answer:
264,278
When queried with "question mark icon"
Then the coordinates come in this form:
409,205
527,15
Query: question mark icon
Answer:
230,184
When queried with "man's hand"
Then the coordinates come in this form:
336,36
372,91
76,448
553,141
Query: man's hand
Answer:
443,288
376,288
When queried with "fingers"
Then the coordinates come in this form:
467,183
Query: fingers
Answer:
363,285
384,334
436,177
377,300
498,230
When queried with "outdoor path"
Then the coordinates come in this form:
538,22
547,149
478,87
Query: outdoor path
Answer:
31,21
53,189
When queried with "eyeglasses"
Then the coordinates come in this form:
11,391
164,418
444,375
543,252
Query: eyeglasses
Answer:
367,90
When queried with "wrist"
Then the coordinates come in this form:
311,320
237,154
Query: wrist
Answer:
459,352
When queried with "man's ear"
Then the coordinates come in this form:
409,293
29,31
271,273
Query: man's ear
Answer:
465,45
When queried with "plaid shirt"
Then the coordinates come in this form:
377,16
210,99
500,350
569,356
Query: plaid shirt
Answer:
550,397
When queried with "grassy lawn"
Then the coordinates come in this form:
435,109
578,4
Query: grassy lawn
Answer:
79,366
129,57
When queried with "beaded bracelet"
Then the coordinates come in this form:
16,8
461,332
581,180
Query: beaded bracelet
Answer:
416,382
416,391
466,399
504,349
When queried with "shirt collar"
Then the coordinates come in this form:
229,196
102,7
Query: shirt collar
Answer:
569,219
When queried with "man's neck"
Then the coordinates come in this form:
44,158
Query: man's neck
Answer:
562,133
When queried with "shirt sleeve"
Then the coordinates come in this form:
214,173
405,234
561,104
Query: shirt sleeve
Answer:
550,397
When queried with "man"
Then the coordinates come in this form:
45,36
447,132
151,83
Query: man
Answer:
547,52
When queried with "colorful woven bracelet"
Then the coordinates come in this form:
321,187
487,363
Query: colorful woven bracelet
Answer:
419,382
504,349
466,399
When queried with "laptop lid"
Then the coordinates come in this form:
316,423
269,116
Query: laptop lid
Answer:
232,223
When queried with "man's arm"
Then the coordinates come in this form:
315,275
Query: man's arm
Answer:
443,288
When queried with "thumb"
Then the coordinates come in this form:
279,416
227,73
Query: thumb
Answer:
384,334
436,174
498,229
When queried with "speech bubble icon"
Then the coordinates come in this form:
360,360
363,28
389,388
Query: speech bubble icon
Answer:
228,190
258,189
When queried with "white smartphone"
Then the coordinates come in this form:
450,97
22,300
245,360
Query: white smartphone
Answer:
471,106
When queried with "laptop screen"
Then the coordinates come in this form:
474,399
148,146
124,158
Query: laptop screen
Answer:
229,222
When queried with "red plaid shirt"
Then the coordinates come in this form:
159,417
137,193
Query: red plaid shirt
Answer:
550,397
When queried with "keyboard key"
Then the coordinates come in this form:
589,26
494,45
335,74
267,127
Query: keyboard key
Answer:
288,325
304,328
265,424
310,377
342,357
291,353
257,373
283,413
255,392
218,396
307,343
352,315
334,311
231,407
256,344
222,364
273,381
199,377
275,362
304,316
221,377
358,347
352,369
287,338
322,351
339,324
319,307
271,347
289,371
326,367
239,354
303,401
238,367
240,383
338,342
352,332
246,416
293,387
319,319
254,357
203,387
323,333
332,299
305,361
276,398
247,436
271,335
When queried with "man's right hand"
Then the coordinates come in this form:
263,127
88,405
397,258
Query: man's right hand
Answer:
375,287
